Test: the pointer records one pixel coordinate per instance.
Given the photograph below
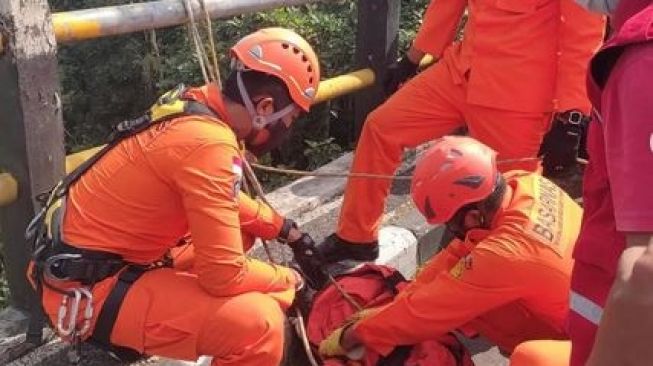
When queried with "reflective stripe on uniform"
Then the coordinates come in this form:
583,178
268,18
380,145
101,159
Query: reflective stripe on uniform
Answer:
585,307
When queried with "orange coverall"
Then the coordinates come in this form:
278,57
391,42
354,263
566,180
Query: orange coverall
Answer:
509,284
519,61
180,177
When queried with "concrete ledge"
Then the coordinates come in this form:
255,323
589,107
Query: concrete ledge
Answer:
398,248
307,193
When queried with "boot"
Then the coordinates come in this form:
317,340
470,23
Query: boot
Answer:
335,249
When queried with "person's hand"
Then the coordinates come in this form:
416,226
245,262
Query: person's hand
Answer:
289,232
309,260
342,342
299,280
559,149
294,235
398,73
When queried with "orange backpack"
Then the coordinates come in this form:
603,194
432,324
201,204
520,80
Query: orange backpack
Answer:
374,285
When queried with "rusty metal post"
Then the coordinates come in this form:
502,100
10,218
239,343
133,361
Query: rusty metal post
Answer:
377,39
31,142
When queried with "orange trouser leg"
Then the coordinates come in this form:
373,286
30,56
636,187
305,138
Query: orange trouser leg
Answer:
513,135
166,313
513,324
541,353
427,107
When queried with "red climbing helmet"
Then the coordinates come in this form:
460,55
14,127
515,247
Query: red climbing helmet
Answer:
454,172
285,54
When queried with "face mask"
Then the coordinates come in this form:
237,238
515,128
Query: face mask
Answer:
269,131
599,6
265,140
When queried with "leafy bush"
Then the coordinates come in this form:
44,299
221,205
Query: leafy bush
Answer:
107,80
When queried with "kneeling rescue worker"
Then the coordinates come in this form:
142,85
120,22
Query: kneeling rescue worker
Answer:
101,263
506,276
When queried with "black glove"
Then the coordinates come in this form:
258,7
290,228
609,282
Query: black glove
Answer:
288,225
397,74
309,260
559,148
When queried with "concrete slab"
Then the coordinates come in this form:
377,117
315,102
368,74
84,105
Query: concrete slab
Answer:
12,322
398,248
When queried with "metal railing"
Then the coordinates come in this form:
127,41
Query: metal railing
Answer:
113,20
329,89
375,47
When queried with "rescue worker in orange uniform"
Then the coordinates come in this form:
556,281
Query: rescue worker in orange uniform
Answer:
519,62
182,175
506,276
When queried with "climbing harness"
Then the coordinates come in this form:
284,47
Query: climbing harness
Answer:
73,271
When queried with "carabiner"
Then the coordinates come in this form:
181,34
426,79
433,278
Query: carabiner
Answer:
88,311
72,314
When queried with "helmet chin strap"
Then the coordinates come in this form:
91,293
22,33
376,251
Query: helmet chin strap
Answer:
259,121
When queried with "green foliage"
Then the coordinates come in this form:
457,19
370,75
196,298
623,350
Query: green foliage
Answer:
108,80
321,152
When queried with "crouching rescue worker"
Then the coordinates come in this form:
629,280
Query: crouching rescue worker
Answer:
506,275
101,265
520,65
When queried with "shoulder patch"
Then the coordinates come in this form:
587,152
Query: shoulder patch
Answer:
463,264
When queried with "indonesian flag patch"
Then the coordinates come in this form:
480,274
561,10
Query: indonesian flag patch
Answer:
237,169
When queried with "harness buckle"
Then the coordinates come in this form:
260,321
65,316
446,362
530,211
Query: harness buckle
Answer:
56,262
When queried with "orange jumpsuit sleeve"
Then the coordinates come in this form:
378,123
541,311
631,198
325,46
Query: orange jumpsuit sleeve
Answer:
208,187
439,26
579,37
429,309
258,219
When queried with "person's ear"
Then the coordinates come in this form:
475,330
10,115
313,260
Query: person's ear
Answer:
264,106
473,219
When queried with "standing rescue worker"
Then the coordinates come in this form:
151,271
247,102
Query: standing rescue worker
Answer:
519,61
506,275
612,281
102,278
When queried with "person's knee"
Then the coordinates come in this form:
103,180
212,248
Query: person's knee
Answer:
541,353
257,329
379,121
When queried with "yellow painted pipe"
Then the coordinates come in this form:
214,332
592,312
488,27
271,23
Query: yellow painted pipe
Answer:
344,84
78,25
427,60
329,89
76,159
8,189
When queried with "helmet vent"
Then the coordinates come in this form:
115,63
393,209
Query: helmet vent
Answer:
256,51
471,181
285,46
454,154
429,212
